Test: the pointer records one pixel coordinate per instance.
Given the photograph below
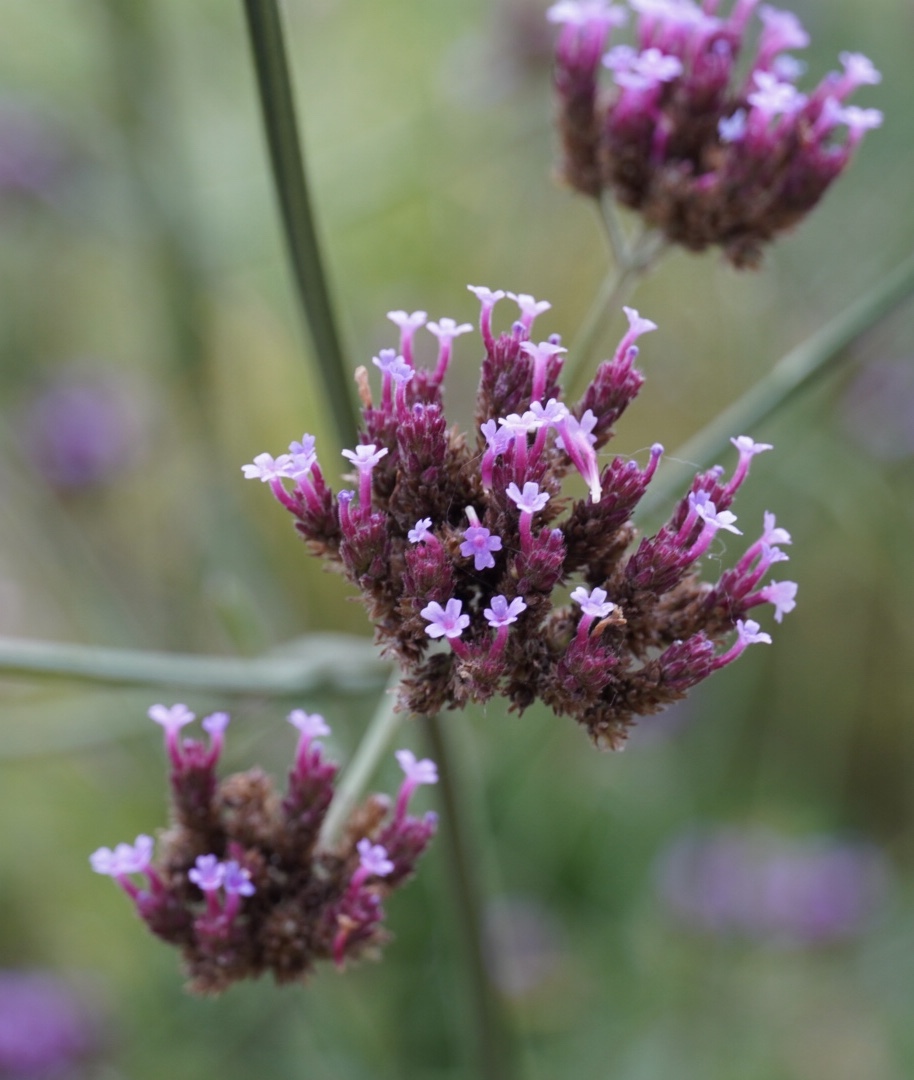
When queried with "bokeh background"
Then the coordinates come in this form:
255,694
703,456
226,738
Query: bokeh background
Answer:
732,896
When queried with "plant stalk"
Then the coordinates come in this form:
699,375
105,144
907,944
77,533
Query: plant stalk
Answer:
496,1059
281,127
800,368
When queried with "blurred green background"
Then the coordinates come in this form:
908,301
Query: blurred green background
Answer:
150,344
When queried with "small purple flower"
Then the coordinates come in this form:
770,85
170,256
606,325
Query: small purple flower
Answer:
125,859
529,308
311,726
445,621
501,613
365,457
783,595
480,543
172,720
594,602
236,880
373,858
207,873
421,534
214,725
407,321
540,354
417,771
447,329
267,468
529,501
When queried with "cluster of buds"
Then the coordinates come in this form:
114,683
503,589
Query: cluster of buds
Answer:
243,882
470,544
709,150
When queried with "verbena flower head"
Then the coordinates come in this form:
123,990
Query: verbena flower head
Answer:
473,610
709,145
243,883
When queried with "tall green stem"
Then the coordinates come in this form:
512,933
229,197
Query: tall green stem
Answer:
278,108
801,367
354,780
494,1047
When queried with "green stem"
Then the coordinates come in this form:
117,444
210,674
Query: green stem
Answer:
802,366
350,664
278,108
494,1046
632,260
375,741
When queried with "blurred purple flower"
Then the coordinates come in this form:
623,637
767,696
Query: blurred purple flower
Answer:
84,428
46,1028
32,156
524,945
753,883
878,408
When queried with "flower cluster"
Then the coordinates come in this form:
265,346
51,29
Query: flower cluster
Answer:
708,149
244,883
755,884
471,544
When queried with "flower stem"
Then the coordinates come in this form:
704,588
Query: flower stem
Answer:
354,780
809,361
278,108
496,1058
632,260
346,663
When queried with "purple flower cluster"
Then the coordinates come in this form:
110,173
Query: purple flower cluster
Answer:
709,149
48,1027
242,883
753,883
471,544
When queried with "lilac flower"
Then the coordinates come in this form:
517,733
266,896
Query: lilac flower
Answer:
421,533
529,501
236,880
783,595
488,299
373,859
480,543
529,308
445,621
266,468
365,458
408,324
501,613
708,145
207,873
593,603
445,330
415,773
420,585
241,838
540,354
172,720
576,440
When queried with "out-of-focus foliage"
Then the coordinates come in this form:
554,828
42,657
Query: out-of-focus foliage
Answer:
149,344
